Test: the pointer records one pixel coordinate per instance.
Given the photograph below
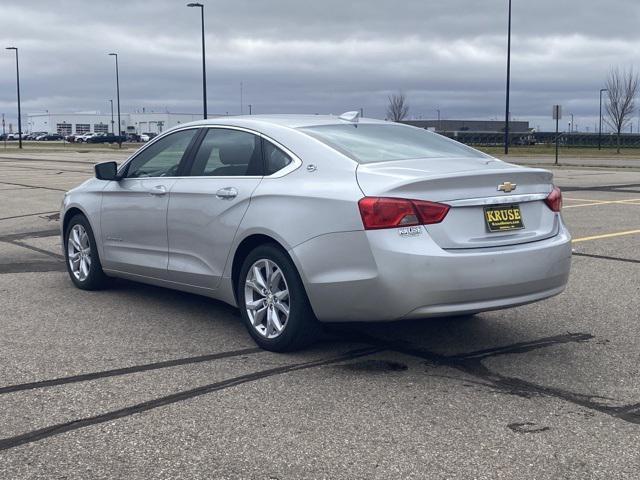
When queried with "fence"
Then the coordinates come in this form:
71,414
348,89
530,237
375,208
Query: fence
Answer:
573,139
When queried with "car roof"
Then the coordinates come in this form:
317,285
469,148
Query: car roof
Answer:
283,120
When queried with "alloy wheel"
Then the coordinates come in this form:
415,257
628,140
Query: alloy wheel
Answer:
267,298
79,252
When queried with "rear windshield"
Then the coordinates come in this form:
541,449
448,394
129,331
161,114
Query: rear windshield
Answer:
369,143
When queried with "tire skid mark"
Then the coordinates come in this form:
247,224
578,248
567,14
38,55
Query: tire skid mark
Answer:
624,188
57,160
523,347
27,214
53,430
606,257
471,364
51,169
127,370
28,267
34,186
32,267
36,234
37,250
37,266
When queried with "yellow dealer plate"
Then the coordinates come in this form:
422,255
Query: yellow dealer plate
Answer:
503,217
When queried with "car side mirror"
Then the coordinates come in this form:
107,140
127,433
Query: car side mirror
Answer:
107,171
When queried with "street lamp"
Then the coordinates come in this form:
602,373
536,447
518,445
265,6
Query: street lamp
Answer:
204,68
600,128
18,88
113,132
506,114
118,99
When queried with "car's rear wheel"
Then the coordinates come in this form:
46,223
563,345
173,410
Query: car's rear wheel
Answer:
273,302
81,255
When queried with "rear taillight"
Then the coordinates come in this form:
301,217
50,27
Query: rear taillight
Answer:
554,200
383,212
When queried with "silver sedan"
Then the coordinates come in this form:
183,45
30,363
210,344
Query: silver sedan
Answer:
299,220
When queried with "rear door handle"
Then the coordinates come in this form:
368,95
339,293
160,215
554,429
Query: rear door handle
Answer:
158,190
228,192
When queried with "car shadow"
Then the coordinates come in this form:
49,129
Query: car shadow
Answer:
446,335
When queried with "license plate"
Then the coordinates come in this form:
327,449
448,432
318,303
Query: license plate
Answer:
502,218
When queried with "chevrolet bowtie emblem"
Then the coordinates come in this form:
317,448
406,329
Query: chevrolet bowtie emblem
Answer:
507,187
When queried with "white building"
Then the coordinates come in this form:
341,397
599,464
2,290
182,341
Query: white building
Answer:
68,123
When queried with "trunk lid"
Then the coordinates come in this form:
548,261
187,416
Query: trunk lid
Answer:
468,185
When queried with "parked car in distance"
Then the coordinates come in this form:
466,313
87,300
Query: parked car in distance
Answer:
50,137
14,136
84,137
301,219
105,138
145,137
34,135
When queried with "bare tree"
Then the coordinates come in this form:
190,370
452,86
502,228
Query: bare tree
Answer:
622,87
398,107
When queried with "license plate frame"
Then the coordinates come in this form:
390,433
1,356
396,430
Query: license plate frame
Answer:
497,221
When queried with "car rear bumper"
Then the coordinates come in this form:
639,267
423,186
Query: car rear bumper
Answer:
379,275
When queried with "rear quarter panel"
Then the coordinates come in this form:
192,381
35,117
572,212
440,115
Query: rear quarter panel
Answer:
307,202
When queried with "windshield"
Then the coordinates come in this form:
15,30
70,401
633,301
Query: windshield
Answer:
368,143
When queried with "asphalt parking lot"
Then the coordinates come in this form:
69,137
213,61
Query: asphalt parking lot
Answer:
142,382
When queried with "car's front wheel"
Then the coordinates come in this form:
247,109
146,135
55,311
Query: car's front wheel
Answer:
81,255
273,302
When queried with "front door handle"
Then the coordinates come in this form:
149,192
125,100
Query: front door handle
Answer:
158,190
228,192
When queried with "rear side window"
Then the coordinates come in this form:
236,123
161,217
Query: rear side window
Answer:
162,158
227,153
274,158
368,143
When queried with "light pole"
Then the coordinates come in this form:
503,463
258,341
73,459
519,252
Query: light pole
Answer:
113,132
506,113
249,109
118,99
438,110
600,128
18,88
204,68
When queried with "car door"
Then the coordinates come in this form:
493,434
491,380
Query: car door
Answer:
206,207
134,209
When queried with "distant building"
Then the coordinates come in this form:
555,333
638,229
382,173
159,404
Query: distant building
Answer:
68,123
487,126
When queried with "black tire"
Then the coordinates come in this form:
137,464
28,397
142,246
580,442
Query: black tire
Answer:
301,328
95,279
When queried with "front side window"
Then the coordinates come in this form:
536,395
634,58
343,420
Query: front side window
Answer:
275,159
162,158
368,143
225,152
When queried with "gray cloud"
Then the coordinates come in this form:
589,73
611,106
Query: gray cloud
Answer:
318,56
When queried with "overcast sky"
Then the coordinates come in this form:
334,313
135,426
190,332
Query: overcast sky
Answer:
320,56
